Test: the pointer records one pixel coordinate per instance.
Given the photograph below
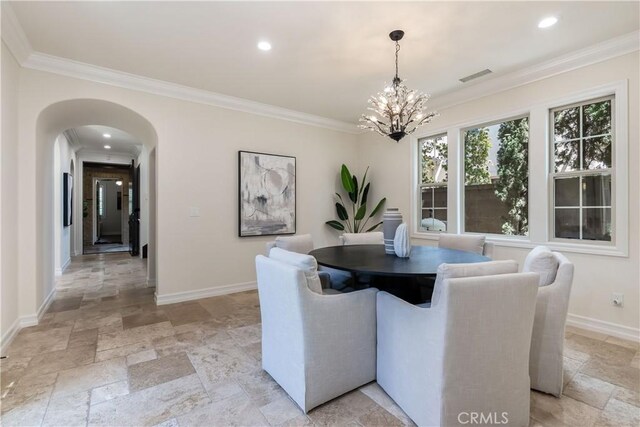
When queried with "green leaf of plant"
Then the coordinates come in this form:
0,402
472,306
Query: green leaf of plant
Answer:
335,224
378,207
342,212
340,198
362,211
373,227
347,181
365,194
364,180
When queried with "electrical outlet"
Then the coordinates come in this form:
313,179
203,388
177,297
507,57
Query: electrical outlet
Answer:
617,299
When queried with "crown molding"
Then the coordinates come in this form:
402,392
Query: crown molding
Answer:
73,139
603,51
13,34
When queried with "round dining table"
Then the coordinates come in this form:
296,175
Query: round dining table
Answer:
409,278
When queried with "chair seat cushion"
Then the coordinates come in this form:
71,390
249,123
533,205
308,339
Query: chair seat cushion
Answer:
306,263
542,261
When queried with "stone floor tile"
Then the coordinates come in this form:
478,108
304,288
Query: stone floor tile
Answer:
634,345
142,356
379,417
344,409
631,397
571,368
134,335
591,391
237,410
281,411
152,405
109,391
143,318
215,365
65,304
260,387
123,351
90,376
180,314
68,410
619,414
83,338
246,335
605,370
61,360
377,394
31,344
26,403
551,411
158,371
585,333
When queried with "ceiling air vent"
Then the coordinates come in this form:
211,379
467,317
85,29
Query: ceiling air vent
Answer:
476,75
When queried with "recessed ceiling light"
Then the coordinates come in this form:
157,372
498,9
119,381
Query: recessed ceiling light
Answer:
547,22
108,147
264,45
106,135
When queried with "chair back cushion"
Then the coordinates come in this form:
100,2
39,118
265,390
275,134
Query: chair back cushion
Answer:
453,271
462,242
302,244
306,263
487,335
542,261
371,238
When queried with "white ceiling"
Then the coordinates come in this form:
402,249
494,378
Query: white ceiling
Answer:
91,138
327,57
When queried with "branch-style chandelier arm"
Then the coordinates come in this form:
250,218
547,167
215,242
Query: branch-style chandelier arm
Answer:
398,110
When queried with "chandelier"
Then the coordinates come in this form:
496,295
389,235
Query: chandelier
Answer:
398,110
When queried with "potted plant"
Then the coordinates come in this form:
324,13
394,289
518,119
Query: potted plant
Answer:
357,193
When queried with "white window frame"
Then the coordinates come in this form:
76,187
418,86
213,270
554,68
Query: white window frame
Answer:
463,171
420,185
540,231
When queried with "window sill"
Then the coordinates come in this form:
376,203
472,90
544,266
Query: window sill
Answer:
523,243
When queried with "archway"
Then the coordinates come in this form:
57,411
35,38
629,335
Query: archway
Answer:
51,122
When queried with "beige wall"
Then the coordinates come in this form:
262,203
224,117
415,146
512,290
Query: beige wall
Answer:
9,193
197,162
596,276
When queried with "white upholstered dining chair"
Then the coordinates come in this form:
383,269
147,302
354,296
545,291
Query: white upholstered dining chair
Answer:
317,347
468,352
466,242
547,340
370,238
301,243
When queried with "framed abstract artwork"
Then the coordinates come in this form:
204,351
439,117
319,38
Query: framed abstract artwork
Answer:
267,194
67,199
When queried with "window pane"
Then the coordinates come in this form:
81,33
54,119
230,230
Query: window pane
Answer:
596,190
496,178
567,192
433,153
427,199
440,197
567,156
566,124
567,223
597,152
434,220
596,224
596,118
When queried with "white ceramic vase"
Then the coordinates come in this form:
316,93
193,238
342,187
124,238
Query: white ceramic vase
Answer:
402,242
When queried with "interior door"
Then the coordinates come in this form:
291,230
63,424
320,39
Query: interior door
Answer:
134,217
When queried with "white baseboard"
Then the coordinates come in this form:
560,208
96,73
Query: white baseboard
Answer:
61,270
204,293
595,325
25,322
9,336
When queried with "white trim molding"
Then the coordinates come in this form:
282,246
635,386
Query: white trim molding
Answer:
25,322
205,293
45,306
60,270
80,70
612,329
13,34
8,336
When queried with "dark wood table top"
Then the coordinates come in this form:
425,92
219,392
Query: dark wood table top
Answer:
372,259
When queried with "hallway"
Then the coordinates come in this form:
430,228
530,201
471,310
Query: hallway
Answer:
105,354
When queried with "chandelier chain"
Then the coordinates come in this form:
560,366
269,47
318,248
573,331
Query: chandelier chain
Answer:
397,50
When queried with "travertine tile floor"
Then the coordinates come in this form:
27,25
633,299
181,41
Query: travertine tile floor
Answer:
106,355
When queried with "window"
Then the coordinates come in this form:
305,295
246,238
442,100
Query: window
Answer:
100,200
496,170
433,183
581,168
